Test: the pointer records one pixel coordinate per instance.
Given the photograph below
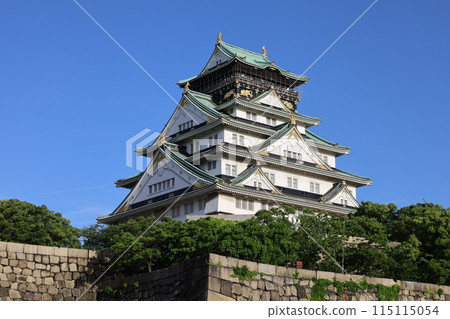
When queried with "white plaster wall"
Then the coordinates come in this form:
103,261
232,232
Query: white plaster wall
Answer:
182,180
249,140
181,116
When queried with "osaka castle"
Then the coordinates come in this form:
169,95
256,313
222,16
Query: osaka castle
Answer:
235,144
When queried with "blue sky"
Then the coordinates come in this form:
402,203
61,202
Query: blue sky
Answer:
70,98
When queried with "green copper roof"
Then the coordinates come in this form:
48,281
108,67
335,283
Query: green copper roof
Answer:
179,159
247,57
332,193
245,174
283,129
203,102
323,141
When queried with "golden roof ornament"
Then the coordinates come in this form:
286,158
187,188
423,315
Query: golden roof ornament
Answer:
264,50
292,119
219,38
186,87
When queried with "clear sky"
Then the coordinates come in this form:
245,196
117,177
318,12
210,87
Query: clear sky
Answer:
70,98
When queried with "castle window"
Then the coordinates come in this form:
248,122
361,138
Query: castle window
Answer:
289,182
238,202
233,170
211,165
241,140
311,187
251,204
325,159
317,188
228,169
186,208
263,205
234,139
295,183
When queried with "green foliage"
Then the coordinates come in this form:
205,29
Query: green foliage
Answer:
244,273
421,231
318,290
23,222
440,292
387,293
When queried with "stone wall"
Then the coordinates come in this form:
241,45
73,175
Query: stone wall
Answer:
210,278
184,281
290,284
31,272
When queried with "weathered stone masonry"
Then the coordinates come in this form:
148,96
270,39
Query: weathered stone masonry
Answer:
209,278
31,272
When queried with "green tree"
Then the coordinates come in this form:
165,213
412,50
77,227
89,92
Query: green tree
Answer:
23,222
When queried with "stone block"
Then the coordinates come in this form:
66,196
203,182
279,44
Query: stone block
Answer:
20,256
73,267
265,296
46,297
37,297
251,265
45,259
5,284
270,285
215,296
80,268
52,290
3,254
225,274
42,288
78,253
27,272
281,291
7,270
236,289
274,296
4,261
45,250
29,257
75,275
287,291
45,273
38,258
30,249
225,288
74,260
261,284
68,276
17,270
11,277
22,287
278,280
76,292
30,265
14,294
48,281
255,295
40,266
60,284
63,259
284,271
13,262
3,277
61,252
254,284
306,273
293,290
39,281
11,255
30,279
266,269
70,284
54,259
67,292
64,267
246,291
232,262
3,245
32,287
15,247
55,269
59,277
82,262
22,264
214,284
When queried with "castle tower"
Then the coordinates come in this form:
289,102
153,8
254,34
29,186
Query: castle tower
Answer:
236,144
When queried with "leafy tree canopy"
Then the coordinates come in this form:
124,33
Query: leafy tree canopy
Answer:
361,243
23,222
